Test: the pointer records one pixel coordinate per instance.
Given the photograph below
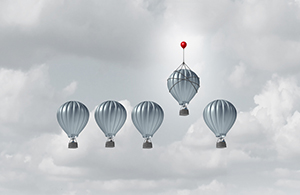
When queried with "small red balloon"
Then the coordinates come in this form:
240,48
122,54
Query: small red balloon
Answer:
183,44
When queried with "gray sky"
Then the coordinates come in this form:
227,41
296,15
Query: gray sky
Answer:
244,51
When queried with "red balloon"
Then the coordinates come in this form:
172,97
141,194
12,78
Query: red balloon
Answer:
183,44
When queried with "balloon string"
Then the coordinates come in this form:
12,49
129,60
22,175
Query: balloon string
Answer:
183,55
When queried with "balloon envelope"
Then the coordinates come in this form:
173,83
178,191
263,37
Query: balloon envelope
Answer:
147,117
183,84
72,116
219,116
110,117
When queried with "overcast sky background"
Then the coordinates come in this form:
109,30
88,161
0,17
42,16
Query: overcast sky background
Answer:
244,51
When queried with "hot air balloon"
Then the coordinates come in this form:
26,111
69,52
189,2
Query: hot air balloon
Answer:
110,117
183,84
219,116
73,116
147,117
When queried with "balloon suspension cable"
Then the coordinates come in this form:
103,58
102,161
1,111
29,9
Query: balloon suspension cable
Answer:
186,67
183,44
183,57
110,138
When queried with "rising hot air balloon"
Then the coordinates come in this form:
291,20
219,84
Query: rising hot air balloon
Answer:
219,116
110,117
183,84
72,116
147,117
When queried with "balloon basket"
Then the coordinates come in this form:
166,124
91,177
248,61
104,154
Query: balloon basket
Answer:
221,143
110,144
147,144
73,144
184,112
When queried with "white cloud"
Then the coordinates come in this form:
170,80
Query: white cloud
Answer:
23,13
272,124
47,165
28,101
28,128
211,188
289,183
239,77
287,138
70,89
94,29
277,102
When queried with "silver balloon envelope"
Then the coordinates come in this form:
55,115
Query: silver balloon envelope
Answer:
183,84
110,117
219,116
72,116
147,117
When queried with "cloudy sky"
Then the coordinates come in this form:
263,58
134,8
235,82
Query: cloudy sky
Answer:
244,51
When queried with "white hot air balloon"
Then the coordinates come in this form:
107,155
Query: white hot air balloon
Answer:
72,116
110,117
219,116
147,117
183,84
